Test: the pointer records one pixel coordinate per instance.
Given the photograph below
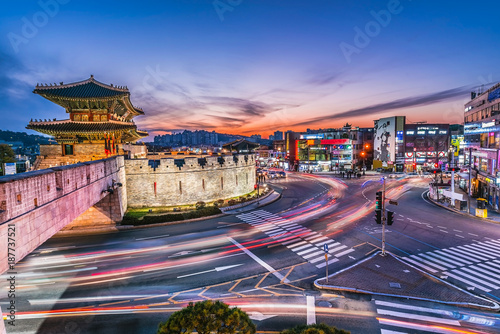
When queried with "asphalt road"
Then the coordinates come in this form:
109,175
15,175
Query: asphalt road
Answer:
263,261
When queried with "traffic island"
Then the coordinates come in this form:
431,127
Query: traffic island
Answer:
390,276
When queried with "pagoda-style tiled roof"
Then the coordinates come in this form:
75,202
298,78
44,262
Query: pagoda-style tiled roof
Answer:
86,90
69,127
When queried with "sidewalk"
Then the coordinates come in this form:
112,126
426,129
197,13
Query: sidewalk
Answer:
389,276
492,216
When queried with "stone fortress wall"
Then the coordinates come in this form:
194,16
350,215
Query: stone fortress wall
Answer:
170,181
39,204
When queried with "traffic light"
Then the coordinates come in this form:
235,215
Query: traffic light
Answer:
390,217
436,165
378,201
378,216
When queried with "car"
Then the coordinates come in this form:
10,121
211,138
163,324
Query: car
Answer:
272,174
282,174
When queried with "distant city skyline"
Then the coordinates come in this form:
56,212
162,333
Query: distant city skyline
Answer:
252,67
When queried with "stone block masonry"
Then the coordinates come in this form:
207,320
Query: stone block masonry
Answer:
41,203
170,181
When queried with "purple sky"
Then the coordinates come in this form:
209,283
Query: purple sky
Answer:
241,66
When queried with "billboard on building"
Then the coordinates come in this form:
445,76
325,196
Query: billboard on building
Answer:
9,168
384,144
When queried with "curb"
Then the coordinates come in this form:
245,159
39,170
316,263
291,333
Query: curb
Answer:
242,205
457,211
495,306
118,228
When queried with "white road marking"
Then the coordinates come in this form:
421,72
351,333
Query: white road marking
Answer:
155,237
259,261
311,310
418,317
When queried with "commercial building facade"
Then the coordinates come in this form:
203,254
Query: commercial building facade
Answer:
482,144
342,149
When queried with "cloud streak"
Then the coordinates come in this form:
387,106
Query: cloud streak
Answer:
407,102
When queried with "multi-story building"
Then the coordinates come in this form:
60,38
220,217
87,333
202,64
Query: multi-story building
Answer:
278,135
426,146
482,144
346,148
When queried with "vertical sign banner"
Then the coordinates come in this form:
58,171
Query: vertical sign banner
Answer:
384,144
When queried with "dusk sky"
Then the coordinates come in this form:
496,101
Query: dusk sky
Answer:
246,67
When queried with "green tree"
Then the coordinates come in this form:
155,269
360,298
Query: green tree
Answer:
314,329
6,154
208,317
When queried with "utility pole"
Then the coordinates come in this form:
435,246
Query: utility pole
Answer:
470,185
383,218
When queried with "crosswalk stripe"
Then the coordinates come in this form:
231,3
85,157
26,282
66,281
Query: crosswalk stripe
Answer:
446,259
418,317
330,245
350,250
318,239
454,255
469,256
475,251
475,272
279,233
420,265
297,244
321,265
495,265
307,256
410,325
467,281
307,251
491,251
330,242
493,246
418,258
489,271
437,261
495,243
313,235
488,249
387,331
299,239
414,308
289,224
461,273
319,258
301,247
461,257
333,250
291,241
489,268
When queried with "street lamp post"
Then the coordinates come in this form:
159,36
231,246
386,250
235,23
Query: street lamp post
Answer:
363,154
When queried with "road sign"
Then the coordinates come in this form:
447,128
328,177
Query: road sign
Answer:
393,202
325,248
